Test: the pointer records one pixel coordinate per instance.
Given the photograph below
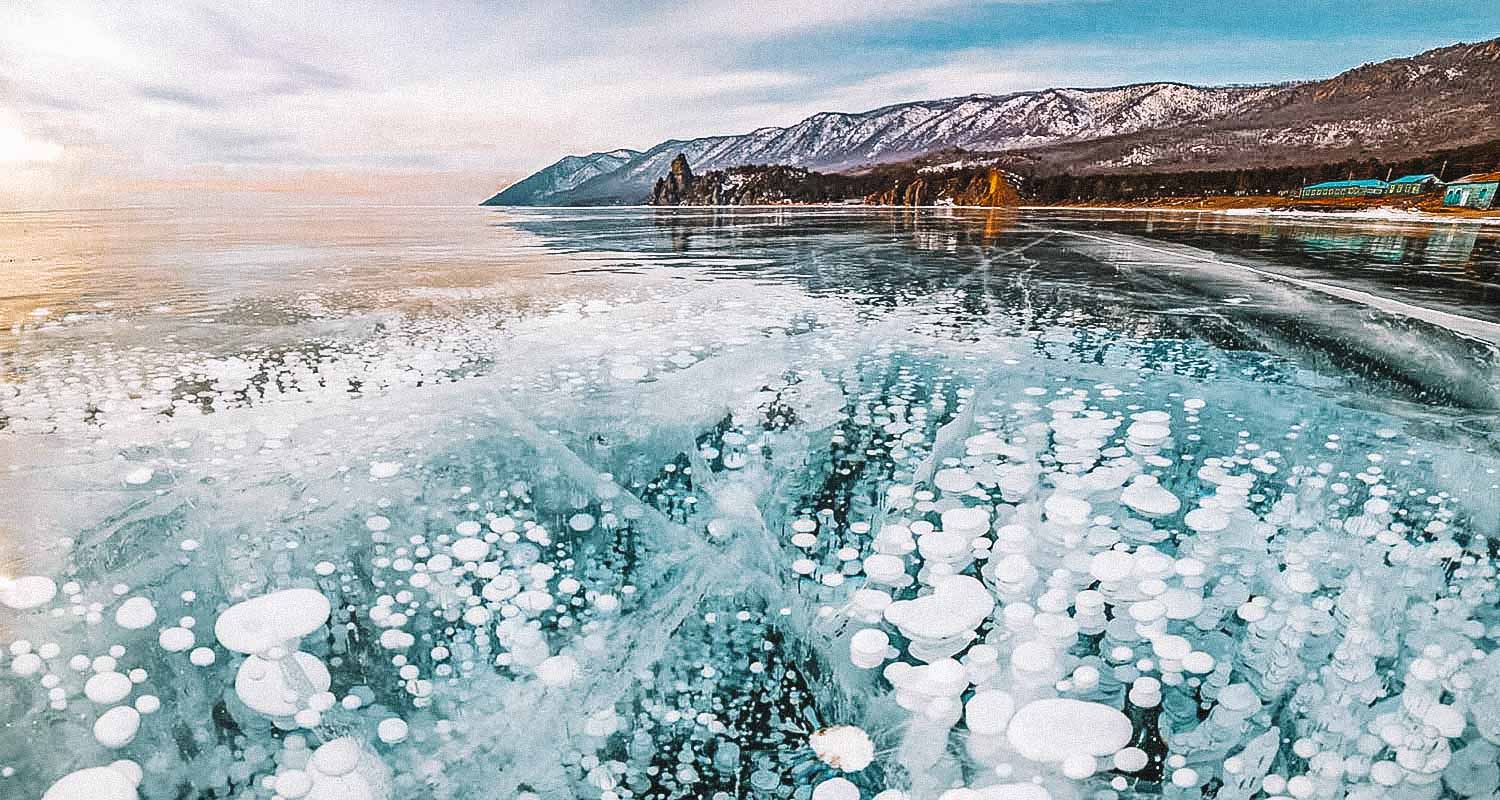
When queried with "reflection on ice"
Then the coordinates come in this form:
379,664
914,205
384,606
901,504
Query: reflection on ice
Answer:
745,539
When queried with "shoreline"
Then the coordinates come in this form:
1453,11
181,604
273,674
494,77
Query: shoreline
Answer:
1360,213
1387,214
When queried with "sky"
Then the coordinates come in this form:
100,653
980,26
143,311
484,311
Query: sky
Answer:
116,103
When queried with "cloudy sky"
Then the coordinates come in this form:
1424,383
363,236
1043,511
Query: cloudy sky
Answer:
103,102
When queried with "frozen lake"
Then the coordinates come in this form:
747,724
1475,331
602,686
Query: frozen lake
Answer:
377,504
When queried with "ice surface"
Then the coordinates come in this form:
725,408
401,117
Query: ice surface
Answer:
723,524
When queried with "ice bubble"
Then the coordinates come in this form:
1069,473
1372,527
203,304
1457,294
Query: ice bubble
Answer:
1171,647
844,747
558,671
1078,766
293,783
944,547
260,623
139,476
175,639
27,592
1198,662
1206,520
396,639
1147,433
988,712
1131,759
343,769
836,789
957,605
26,664
943,679
271,687
581,522
1032,660
501,588
135,613
867,648
1111,566
392,730
93,783
885,569
1146,497
384,469
1051,729
954,481
117,727
970,521
533,601
1448,720
869,604
107,688
1067,510
470,549
338,757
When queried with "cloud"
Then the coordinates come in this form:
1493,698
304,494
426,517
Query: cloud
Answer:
181,97
126,94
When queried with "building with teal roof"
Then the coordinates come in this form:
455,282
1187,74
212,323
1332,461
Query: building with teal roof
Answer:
1414,184
1366,187
1473,191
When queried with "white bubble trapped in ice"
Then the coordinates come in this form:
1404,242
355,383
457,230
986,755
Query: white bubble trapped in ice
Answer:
1054,728
844,747
27,592
116,727
261,623
135,613
94,783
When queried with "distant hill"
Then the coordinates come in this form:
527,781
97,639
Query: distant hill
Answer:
1444,98
561,178
1393,110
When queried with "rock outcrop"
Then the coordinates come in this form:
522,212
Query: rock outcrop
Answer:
676,186
908,184
988,187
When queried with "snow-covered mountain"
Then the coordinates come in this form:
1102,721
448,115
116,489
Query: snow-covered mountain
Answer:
1404,107
831,140
1397,109
563,176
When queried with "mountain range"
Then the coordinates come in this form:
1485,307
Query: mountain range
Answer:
1442,98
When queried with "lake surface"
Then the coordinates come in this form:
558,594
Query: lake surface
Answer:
387,503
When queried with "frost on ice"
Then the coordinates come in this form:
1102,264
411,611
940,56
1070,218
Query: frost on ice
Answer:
791,557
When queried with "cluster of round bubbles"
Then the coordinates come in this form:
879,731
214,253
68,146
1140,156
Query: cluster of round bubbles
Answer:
896,580
1084,601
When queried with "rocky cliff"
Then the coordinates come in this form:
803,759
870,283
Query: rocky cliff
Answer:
677,185
910,184
986,186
